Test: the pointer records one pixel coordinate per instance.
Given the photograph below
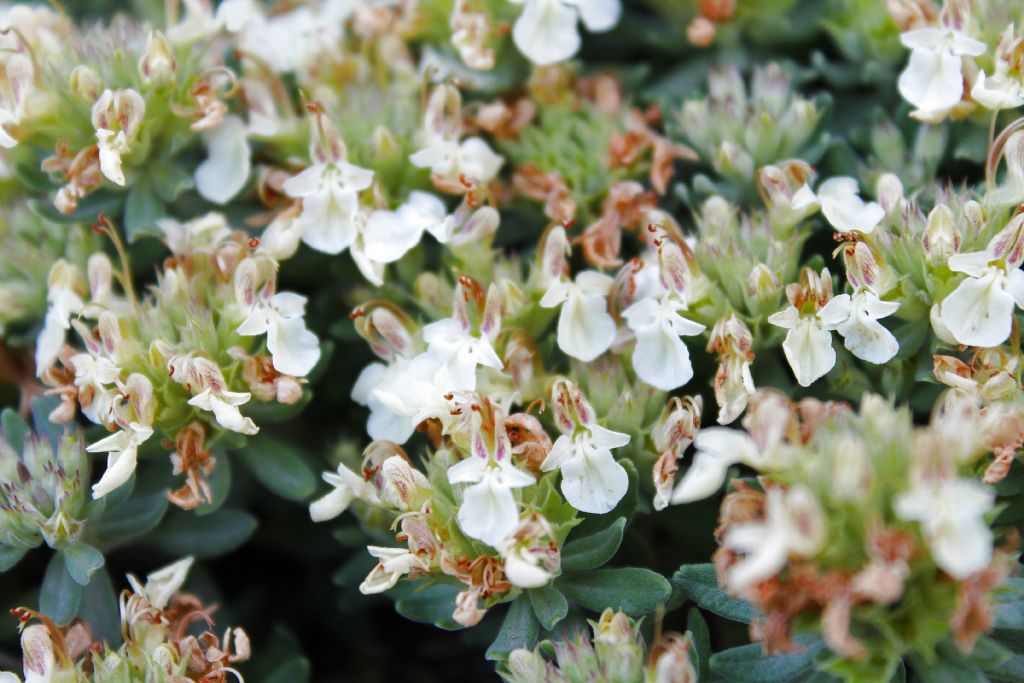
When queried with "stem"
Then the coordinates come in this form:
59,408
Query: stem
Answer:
126,273
995,152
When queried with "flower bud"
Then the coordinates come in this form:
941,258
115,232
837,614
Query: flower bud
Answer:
526,666
975,215
941,237
732,160
617,647
86,82
386,328
852,474
157,64
889,190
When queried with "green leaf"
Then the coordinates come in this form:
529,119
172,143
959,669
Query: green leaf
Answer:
60,596
633,590
593,551
519,630
142,209
88,210
279,466
134,517
701,639
749,663
169,180
218,533
549,605
431,605
41,409
82,561
293,671
945,671
15,429
10,556
100,609
699,582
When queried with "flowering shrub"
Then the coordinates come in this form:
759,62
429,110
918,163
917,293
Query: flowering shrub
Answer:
653,342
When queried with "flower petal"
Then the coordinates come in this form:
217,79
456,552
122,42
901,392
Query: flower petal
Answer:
546,31
979,312
594,482
227,164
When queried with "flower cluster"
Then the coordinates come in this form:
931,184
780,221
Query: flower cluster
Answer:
511,283
855,518
616,653
211,334
154,618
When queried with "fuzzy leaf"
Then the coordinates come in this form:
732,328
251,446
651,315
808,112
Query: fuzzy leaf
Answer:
749,663
699,582
15,429
431,605
293,671
519,630
142,208
82,560
549,605
10,556
217,534
281,468
59,596
590,552
134,517
99,608
701,639
41,409
633,590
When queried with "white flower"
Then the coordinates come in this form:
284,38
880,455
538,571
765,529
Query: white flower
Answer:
348,486
844,209
585,329
808,344
546,30
394,564
661,358
15,85
979,312
64,302
294,349
226,168
224,406
862,334
933,80
329,190
449,159
117,117
997,92
793,526
387,235
952,518
592,480
488,511
162,584
201,235
717,449
38,661
451,342
122,450
402,395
